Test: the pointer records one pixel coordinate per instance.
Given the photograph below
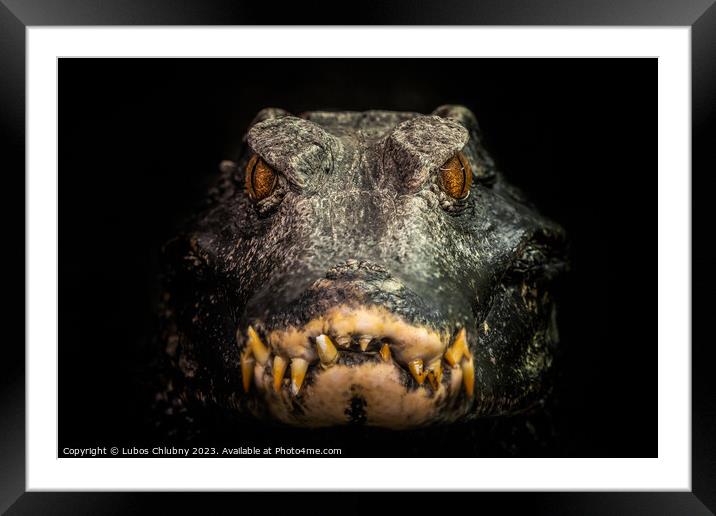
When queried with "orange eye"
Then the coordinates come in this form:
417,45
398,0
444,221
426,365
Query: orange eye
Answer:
456,176
260,178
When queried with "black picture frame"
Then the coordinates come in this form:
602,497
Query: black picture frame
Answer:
17,15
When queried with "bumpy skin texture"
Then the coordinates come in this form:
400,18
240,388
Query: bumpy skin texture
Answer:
359,222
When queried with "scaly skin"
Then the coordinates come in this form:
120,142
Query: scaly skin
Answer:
359,291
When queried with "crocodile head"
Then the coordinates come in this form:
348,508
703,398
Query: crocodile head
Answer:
363,267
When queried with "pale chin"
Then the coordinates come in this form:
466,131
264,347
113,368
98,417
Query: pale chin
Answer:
371,393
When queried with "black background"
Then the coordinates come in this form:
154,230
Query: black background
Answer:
140,139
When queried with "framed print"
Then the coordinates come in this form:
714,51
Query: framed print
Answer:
253,257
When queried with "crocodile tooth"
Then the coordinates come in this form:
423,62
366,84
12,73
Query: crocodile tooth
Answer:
468,376
260,350
299,367
385,352
279,368
343,341
327,352
416,369
364,341
247,369
459,348
435,373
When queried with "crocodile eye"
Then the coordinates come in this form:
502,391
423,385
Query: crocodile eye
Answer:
456,176
260,178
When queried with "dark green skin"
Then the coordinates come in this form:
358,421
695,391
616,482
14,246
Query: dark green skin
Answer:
358,203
